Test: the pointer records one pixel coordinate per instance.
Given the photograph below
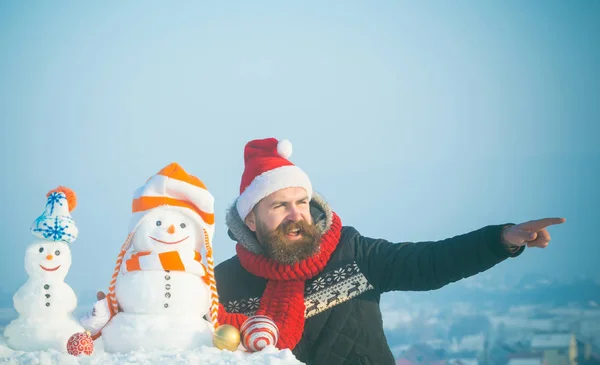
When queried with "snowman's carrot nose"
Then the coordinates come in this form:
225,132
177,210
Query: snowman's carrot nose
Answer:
171,229
49,257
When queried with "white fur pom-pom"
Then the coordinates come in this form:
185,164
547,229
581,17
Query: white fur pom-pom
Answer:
284,148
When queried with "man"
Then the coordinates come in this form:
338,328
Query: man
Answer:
320,281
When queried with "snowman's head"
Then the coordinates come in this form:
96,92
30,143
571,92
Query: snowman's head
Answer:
167,229
48,260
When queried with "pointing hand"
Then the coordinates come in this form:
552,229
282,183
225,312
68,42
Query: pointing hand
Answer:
532,233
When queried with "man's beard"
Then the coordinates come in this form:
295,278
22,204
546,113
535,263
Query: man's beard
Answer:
279,248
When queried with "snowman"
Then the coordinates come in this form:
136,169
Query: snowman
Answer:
45,302
162,295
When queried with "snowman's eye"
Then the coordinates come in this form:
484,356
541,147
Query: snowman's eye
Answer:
182,225
41,249
57,252
158,223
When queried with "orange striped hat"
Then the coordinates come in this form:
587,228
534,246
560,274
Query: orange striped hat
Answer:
174,187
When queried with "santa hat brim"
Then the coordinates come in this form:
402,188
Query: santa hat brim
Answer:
268,183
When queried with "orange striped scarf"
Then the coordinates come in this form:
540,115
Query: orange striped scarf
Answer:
166,261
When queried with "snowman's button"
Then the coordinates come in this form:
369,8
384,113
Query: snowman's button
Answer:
46,286
168,286
167,277
47,295
166,305
167,295
167,270
47,304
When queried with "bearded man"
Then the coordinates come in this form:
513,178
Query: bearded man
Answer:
320,281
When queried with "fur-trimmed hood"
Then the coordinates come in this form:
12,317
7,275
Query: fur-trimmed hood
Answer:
320,211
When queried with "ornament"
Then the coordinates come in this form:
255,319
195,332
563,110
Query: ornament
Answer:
226,337
80,343
259,332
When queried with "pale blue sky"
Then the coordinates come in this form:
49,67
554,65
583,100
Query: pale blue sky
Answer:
416,120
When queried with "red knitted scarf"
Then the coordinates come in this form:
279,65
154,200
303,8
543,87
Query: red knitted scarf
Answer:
283,298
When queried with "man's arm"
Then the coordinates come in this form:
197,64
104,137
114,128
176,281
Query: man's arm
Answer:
419,266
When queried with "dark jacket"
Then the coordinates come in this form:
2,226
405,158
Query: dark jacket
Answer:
343,319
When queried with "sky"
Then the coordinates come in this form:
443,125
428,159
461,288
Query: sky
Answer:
416,121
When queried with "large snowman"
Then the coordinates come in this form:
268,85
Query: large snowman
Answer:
162,296
45,302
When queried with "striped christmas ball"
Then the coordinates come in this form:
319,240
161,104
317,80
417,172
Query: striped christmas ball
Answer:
259,332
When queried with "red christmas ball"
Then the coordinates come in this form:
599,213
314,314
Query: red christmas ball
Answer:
259,332
80,343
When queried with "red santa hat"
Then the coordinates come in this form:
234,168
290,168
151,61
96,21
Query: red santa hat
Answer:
267,169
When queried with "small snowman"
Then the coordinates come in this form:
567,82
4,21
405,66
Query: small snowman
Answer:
45,302
162,296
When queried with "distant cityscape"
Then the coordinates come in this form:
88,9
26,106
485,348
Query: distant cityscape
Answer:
490,321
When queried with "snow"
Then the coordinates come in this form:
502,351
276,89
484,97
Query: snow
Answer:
132,331
201,355
38,333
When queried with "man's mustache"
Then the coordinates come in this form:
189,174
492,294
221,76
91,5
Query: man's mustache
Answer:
288,226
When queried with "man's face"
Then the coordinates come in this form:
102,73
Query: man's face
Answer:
283,225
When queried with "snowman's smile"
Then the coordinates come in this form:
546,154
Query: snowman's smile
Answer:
169,243
54,269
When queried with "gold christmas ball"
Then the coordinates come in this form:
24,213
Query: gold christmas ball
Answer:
226,337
